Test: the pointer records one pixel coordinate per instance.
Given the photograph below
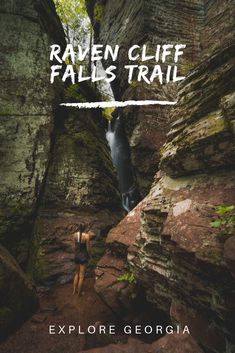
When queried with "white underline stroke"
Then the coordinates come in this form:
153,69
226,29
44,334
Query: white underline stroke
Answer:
90,105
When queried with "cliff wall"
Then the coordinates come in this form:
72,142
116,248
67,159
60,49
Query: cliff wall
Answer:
184,263
27,114
151,23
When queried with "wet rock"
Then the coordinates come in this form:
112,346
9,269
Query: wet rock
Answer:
17,296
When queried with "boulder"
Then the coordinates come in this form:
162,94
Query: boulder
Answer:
117,293
229,254
180,260
176,343
17,295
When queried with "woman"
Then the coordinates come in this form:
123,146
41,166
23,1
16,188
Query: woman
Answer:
81,245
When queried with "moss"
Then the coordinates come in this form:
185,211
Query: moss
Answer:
107,113
210,125
99,12
134,83
206,128
73,92
85,138
93,146
214,256
82,92
37,267
6,110
186,67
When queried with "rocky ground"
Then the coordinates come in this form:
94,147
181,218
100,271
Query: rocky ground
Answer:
59,306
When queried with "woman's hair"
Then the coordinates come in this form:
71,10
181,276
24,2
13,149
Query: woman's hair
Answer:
81,227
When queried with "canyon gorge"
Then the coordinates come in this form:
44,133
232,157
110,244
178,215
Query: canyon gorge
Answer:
164,256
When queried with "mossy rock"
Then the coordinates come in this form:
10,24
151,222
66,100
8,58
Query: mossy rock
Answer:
99,10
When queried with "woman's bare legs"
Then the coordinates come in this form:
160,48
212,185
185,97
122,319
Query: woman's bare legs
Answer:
81,277
76,278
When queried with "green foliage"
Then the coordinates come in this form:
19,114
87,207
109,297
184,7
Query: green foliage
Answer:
75,20
128,277
134,83
225,220
220,210
107,113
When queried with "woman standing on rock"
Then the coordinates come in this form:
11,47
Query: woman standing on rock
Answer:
81,245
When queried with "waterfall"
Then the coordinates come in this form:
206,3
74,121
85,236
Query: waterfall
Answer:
121,157
110,136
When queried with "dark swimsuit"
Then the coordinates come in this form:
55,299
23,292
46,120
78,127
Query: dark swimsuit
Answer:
81,254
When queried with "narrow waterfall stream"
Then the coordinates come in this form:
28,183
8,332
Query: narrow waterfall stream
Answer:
121,156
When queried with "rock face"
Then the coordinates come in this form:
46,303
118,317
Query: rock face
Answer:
204,27
229,252
177,250
80,187
17,297
150,23
193,266
112,266
184,264
202,134
27,102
